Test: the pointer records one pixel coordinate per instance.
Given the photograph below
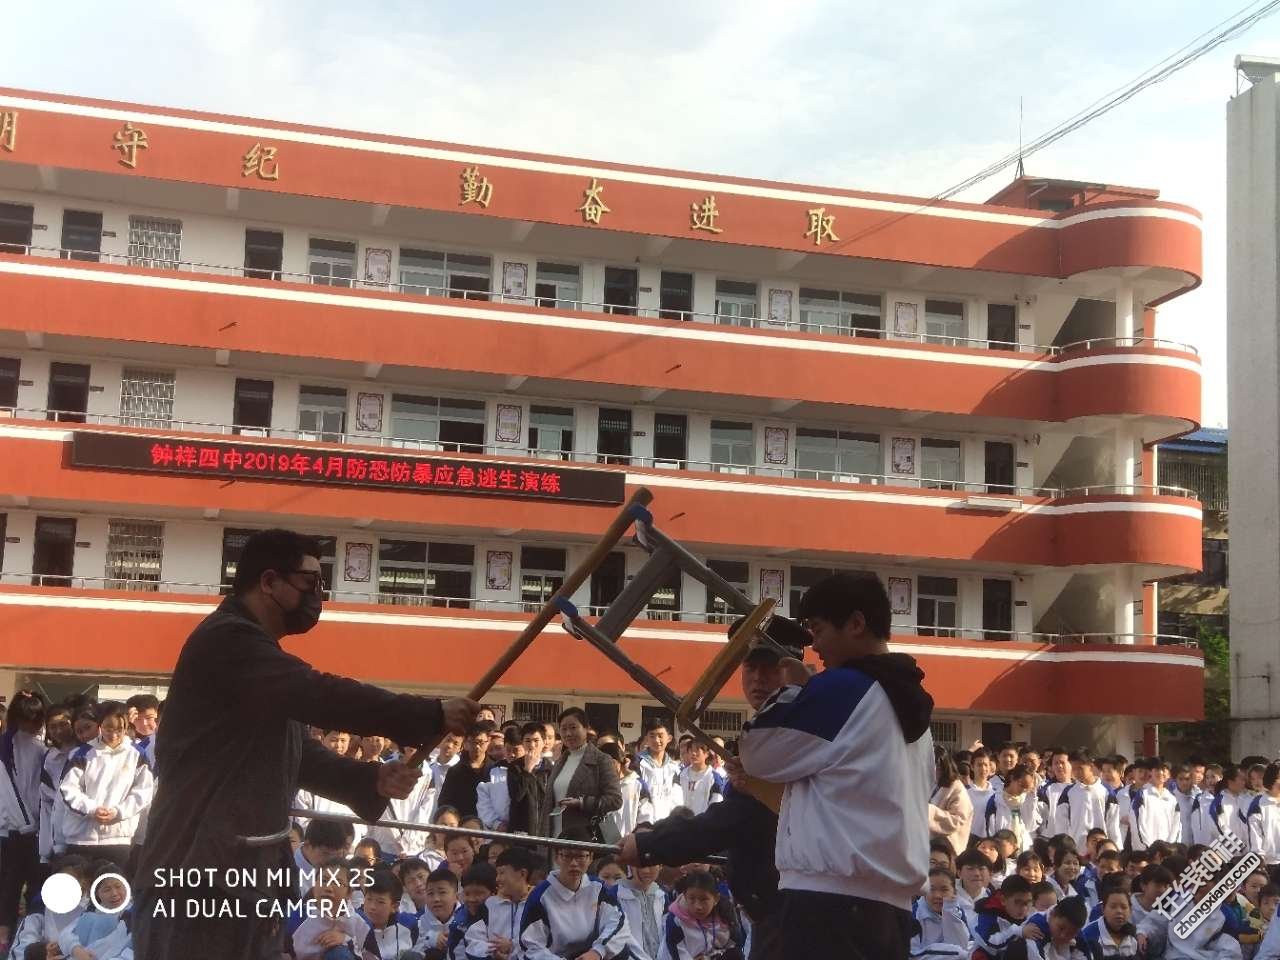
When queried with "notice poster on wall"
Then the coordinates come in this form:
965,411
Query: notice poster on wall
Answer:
497,569
904,456
508,423
358,563
904,319
900,595
369,412
377,265
775,445
515,279
780,306
771,583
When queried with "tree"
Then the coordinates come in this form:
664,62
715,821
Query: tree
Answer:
1210,737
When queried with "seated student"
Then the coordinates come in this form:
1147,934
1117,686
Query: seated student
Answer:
1001,917
941,856
569,914
989,847
473,823
698,922
1108,885
1268,900
393,932
1066,878
41,928
644,903
433,852
1113,934
1134,862
941,925
479,883
498,934
369,852
106,790
323,842
459,854
608,870
1030,866
1044,896
98,935
975,878
1107,862
331,929
1055,934
439,892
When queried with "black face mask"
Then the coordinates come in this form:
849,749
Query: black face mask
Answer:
302,617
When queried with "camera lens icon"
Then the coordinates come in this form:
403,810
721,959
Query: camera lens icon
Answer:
109,894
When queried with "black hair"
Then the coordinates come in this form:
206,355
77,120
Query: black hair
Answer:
1062,853
1112,854
531,727
1273,773
481,726
1134,856
942,872
511,736
1154,873
74,864
329,834
1055,751
614,752
700,880
99,868
1073,910
942,845
370,842
945,766
442,810
1268,890
1159,848
838,597
438,875
973,858
518,858
275,549
577,713
384,881
981,752
1017,772
480,874
1039,889
106,710
144,701
1026,856
607,860
1113,883
1014,883
656,723
27,707
451,837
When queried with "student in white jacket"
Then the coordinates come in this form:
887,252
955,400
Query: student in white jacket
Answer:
1263,818
644,904
945,926
1213,814
106,790
418,807
849,871
1155,812
659,771
497,933
22,758
569,914
493,799
698,781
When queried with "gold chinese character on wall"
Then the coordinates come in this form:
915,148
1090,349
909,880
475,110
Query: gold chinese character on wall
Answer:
821,226
476,188
9,129
704,215
593,205
260,161
129,140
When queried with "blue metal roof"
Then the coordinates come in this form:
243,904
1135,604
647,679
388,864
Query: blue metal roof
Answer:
1206,440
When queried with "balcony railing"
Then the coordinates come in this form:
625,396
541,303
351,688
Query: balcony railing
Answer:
520,606
595,457
838,329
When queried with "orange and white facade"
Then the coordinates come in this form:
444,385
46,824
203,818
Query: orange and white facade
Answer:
452,363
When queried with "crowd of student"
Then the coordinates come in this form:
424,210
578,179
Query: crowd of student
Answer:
1058,854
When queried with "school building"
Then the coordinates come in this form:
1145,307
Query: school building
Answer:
452,364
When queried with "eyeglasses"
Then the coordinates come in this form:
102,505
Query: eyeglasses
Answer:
576,856
317,581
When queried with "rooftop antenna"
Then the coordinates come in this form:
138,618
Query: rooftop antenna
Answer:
1022,171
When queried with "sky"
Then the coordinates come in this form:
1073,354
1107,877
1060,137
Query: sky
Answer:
907,97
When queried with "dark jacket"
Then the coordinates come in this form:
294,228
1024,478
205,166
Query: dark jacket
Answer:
527,790
741,827
460,787
596,782
232,757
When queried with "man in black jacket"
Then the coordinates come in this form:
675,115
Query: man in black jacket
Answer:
233,755
741,826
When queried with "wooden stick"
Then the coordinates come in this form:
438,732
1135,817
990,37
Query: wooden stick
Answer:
617,530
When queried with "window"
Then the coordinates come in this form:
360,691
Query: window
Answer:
1002,326
322,413
936,606
9,370
81,235
551,432
16,222
251,409
838,455
607,581
541,575
841,312
439,274
535,711
941,467
437,423
613,437
722,721
155,243
944,322
146,398
676,295
995,733
559,285
733,446
435,574
737,302
738,573
802,578
331,263
263,254
621,288
648,713
1214,566
134,552
946,733
68,399
53,559
670,440
997,608
998,472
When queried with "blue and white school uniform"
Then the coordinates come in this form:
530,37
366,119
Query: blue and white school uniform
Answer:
661,784
556,917
105,776
945,934
399,935
635,903
105,935
502,918
684,937
700,790
1044,950
463,920
429,928
493,799
44,927
418,807
1101,942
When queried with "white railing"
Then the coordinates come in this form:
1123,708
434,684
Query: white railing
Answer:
494,296
593,457
526,607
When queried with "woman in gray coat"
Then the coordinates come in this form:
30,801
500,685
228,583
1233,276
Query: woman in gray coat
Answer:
584,783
